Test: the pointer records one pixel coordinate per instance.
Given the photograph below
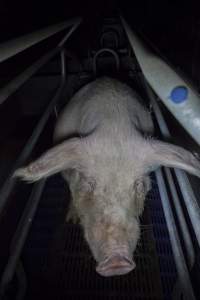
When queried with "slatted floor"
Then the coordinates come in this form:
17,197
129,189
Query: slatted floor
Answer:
59,264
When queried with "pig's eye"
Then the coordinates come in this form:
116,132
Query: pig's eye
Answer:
91,184
88,184
142,185
139,190
139,186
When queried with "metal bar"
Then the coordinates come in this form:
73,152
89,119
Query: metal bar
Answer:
63,41
21,234
180,215
10,181
115,55
190,200
63,74
176,93
31,207
18,81
15,46
22,281
174,238
63,65
185,232
165,133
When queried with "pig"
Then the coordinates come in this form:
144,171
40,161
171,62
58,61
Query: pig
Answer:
105,151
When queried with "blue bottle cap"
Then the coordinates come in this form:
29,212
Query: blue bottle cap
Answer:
179,94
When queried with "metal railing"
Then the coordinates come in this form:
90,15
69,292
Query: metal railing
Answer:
7,50
15,84
190,201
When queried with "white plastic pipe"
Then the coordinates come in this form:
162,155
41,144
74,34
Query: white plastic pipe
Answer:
176,93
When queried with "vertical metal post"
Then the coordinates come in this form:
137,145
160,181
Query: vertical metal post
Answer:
63,65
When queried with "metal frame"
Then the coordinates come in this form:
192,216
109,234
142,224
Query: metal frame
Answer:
178,207
14,265
181,266
19,80
190,200
15,46
10,182
193,209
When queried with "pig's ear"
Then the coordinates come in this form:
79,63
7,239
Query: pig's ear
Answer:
165,154
61,157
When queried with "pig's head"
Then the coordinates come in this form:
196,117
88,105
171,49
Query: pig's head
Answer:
108,188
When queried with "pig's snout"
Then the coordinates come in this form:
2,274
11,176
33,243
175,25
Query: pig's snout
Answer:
115,265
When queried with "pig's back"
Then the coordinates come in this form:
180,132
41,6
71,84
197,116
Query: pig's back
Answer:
105,103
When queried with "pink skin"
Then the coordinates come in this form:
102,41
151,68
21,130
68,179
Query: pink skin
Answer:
116,264
112,245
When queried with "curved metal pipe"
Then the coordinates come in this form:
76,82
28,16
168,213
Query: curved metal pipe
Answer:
102,51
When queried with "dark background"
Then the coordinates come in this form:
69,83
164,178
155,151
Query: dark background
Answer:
173,25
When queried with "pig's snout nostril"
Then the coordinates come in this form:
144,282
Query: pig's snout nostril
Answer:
115,265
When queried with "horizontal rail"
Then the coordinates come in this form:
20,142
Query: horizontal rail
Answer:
19,80
17,45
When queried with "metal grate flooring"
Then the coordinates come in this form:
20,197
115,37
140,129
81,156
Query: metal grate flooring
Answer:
59,264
